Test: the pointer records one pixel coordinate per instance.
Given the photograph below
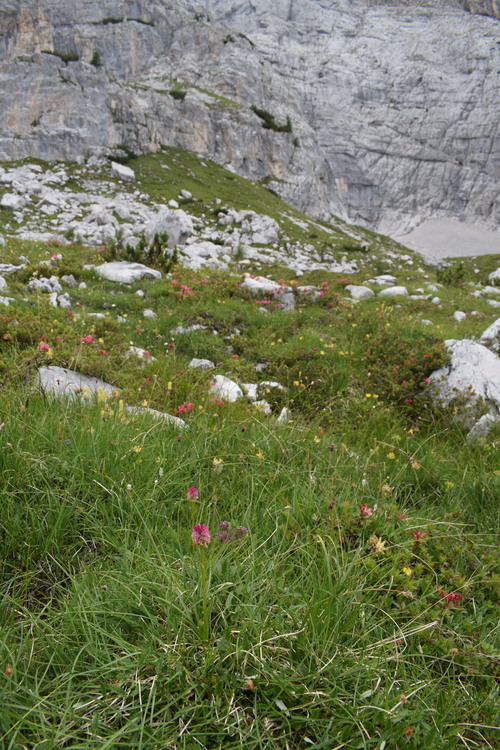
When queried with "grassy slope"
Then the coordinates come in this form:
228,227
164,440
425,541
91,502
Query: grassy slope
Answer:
326,625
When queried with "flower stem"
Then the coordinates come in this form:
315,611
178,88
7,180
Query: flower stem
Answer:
204,593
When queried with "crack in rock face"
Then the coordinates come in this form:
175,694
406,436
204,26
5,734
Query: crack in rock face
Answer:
384,112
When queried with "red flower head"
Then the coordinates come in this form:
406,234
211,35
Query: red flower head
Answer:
192,493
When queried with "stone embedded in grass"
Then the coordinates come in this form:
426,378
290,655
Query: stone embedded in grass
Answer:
158,415
122,172
62,382
360,292
44,285
459,316
141,354
64,301
6,301
482,428
263,406
201,364
226,389
494,277
6,268
69,280
284,416
394,291
385,279
126,272
472,377
258,284
3,284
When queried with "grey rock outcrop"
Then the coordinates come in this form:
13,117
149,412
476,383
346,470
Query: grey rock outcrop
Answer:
472,377
383,112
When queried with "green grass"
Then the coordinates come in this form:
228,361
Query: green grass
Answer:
326,623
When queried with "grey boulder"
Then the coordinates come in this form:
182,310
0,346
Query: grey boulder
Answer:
126,272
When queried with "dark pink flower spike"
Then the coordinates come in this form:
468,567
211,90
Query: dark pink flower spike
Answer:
200,535
192,493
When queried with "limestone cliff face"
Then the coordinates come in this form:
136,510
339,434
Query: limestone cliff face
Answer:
393,105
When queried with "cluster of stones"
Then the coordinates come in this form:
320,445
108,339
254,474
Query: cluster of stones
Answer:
44,208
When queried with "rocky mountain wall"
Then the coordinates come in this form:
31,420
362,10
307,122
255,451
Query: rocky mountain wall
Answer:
385,112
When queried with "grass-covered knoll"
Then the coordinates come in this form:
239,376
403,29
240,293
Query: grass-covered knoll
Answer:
350,597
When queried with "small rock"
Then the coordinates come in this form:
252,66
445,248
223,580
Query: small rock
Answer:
122,172
263,406
285,416
458,316
140,293
185,194
201,364
3,284
394,291
44,285
141,354
494,278
250,391
69,280
64,301
6,268
126,272
436,300
150,314
360,292
180,423
13,201
385,279
482,428
226,389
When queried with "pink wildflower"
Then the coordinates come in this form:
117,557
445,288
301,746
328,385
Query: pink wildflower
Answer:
200,535
192,493
185,407
365,510
87,339
451,598
44,347
418,534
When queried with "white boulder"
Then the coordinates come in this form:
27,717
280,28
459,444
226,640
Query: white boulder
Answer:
394,291
226,389
122,172
126,272
62,382
472,376
359,292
